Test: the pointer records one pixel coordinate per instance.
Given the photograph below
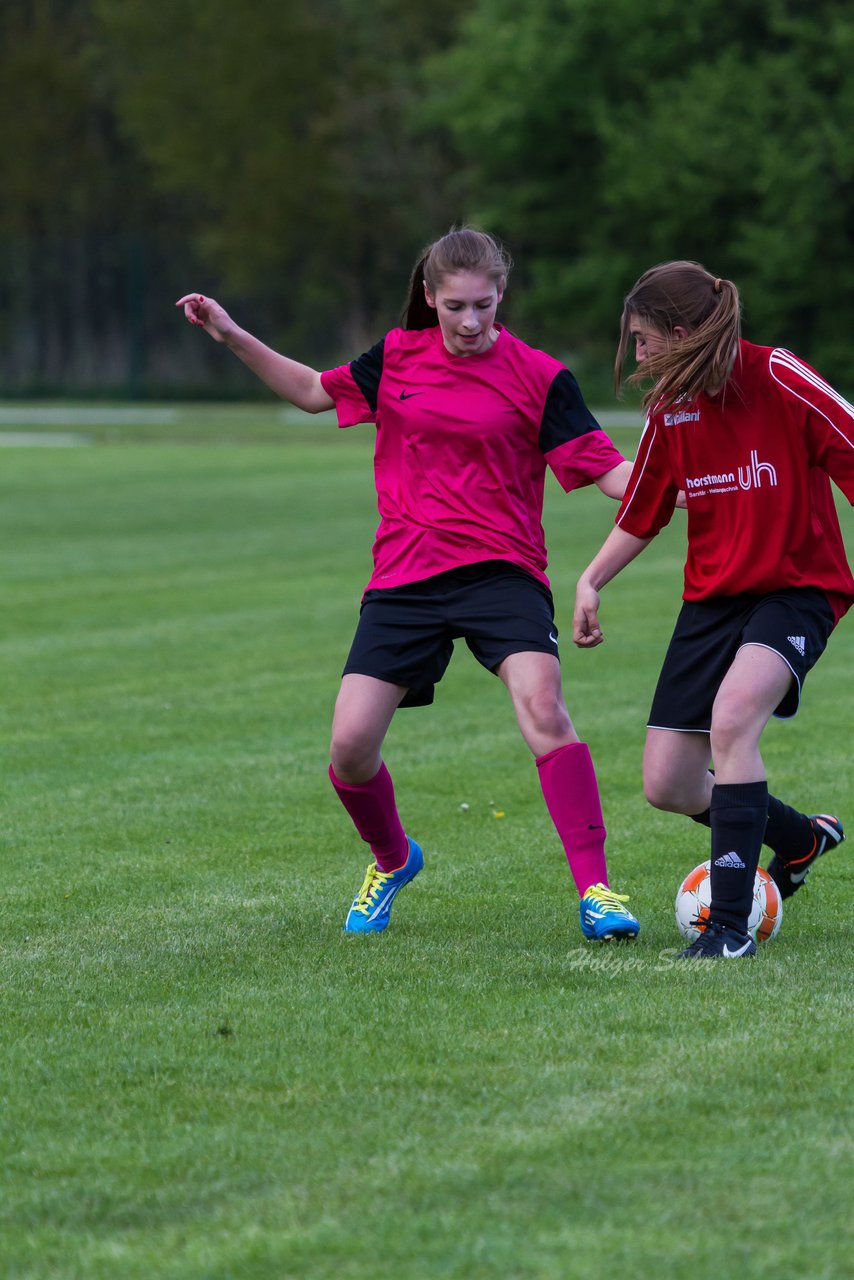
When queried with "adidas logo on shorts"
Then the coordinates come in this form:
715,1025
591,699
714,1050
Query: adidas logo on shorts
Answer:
799,643
731,860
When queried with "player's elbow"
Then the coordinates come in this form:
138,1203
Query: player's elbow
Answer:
311,397
613,483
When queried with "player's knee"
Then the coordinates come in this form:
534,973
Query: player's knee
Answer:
660,795
353,758
544,713
667,793
731,726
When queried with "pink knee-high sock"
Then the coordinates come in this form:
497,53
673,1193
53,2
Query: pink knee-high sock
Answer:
374,813
572,798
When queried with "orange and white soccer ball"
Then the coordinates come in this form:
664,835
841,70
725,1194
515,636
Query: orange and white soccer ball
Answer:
695,895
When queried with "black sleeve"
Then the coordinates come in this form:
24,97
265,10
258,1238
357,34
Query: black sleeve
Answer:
565,415
367,371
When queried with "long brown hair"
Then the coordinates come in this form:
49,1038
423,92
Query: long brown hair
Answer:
684,294
462,249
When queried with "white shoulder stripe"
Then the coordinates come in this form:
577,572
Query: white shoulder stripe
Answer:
643,440
787,361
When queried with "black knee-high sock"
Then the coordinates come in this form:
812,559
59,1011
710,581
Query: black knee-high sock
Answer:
739,813
788,832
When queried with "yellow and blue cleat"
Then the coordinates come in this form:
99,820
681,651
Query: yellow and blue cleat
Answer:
603,916
371,907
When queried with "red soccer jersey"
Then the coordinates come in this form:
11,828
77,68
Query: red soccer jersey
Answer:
754,462
461,450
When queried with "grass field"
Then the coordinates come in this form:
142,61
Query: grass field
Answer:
203,1078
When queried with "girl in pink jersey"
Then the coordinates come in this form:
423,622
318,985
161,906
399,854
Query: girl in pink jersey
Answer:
752,435
468,418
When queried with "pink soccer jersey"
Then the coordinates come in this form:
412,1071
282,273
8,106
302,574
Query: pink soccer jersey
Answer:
461,449
754,463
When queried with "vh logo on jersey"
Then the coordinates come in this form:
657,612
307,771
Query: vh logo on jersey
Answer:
754,476
751,477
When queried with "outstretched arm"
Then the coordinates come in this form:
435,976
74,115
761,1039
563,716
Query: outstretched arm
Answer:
618,550
292,381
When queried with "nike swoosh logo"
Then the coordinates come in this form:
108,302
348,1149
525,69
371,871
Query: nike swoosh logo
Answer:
553,637
801,875
407,395
731,955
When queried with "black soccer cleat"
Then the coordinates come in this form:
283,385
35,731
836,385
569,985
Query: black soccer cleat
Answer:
789,876
719,942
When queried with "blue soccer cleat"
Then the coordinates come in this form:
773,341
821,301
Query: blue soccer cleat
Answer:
603,916
371,907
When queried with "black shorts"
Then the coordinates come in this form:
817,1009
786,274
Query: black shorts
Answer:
406,634
795,622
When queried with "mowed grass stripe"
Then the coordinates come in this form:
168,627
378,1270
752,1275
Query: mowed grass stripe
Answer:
203,1078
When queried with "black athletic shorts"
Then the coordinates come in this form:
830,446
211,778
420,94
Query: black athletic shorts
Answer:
406,634
795,622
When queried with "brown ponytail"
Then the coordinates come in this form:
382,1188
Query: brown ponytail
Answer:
462,249
417,314
682,294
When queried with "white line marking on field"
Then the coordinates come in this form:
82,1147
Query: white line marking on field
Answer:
42,440
84,415
619,417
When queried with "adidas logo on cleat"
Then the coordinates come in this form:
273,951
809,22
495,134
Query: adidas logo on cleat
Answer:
731,860
799,643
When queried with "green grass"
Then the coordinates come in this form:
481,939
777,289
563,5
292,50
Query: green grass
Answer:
202,1078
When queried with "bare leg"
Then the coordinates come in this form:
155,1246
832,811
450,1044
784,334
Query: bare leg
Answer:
676,773
565,769
750,692
533,682
363,713
361,780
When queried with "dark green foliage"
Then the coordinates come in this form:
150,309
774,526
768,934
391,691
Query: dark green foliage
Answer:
602,138
293,157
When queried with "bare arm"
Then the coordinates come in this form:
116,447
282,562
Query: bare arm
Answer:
618,550
292,381
613,483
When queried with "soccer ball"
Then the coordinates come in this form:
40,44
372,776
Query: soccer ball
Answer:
695,895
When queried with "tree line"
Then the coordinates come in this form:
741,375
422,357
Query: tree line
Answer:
293,156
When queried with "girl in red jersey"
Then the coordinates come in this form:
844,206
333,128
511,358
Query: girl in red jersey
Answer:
751,434
467,417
